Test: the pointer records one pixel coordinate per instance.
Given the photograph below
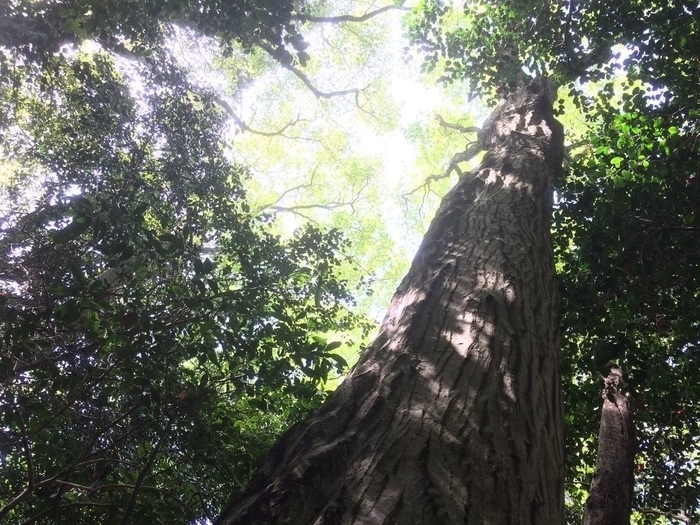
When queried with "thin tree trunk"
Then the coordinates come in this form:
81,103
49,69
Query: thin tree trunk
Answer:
610,499
454,413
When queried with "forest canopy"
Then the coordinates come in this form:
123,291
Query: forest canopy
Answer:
160,330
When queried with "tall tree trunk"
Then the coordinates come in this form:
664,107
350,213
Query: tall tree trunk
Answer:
610,499
454,413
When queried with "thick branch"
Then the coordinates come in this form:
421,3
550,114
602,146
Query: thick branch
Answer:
307,82
458,158
457,127
317,92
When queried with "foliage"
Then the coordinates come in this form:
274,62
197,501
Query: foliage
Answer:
628,247
626,232
157,335
38,29
356,162
492,44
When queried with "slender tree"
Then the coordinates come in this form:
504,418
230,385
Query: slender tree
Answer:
610,499
454,413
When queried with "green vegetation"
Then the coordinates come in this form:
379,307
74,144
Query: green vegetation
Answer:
160,326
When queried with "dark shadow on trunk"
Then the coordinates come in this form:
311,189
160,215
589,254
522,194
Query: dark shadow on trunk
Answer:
454,413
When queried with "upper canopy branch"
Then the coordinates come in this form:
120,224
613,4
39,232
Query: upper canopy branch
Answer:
122,51
245,127
457,127
349,18
307,82
472,150
317,92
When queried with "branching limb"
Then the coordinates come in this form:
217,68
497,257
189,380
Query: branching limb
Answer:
142,475
676,514
568,156
298,209
317,92
307,82
127,54
350,18
304,186
472,150
457,127
334,205
578,144
468,154
223,103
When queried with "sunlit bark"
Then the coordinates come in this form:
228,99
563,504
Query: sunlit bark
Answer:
454,413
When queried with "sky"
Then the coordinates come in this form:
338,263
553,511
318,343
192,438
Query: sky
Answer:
391,141
367,157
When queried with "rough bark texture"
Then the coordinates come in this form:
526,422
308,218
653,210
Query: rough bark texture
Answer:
454,413
610,498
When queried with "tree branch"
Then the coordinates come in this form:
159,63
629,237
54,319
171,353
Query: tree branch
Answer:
241,124
30,468
461,129
307,82
676,514
317,92
296,209
127,54
142,475
349,18
472,150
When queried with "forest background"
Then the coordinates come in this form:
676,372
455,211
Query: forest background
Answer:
198,200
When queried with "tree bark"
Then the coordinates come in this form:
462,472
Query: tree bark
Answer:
610,498
454,413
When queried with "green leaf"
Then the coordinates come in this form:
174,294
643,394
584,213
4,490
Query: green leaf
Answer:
333,345
77,273
72,231
342,363
117,216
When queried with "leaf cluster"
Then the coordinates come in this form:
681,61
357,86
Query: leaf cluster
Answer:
157,336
